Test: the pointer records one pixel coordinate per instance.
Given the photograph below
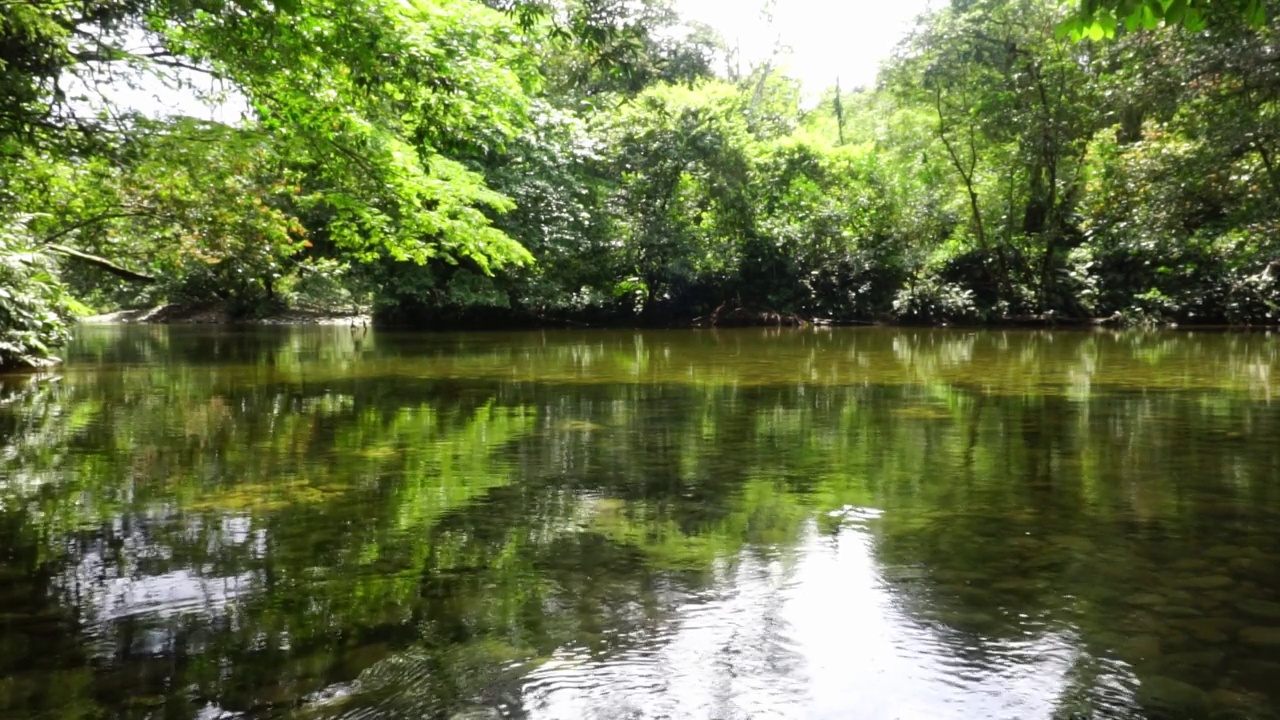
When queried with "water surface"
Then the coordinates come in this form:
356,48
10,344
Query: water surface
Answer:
886,524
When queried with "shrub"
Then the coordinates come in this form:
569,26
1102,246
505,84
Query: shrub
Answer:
35,309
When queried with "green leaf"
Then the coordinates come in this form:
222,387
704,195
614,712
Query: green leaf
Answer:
1149,19
1256,14
1069,27
1108,23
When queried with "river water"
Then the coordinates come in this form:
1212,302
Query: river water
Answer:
891,524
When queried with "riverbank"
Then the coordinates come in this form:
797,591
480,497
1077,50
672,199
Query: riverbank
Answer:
212,314
494,319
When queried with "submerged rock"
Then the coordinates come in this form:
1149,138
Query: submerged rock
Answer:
1229,702
1184,698
1224,552
1262,636
1198,659
1232,714
1257,672
971,620
960,577
1209,630
476,713
1254,568
1201,668
1179,611
1019,584
1205,582
1264,609
1192,564
1143,646
1146,599
1216,598
1074,543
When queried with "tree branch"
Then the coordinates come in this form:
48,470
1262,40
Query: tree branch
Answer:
63,232
102,263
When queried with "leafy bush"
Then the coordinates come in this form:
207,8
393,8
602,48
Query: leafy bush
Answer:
933,300
320,284
35,309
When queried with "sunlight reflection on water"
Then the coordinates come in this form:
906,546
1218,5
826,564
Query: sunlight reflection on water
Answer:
810,634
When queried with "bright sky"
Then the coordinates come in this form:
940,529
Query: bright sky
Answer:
826,38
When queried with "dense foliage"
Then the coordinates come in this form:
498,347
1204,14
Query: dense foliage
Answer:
449,161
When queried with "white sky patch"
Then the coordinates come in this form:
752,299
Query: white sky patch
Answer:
155,91
157,98
822,39
198,97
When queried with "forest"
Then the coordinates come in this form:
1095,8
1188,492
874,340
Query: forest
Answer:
605,162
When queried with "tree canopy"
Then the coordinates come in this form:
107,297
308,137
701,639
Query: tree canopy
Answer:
468,163
1097,19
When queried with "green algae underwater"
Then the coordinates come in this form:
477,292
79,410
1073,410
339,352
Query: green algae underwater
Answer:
320,522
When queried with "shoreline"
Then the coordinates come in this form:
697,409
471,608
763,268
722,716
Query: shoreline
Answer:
174,314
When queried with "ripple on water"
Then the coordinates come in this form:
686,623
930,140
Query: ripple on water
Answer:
812,636
729,656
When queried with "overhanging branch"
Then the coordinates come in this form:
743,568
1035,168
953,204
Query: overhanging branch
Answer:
102,263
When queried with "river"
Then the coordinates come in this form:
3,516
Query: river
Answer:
890,524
